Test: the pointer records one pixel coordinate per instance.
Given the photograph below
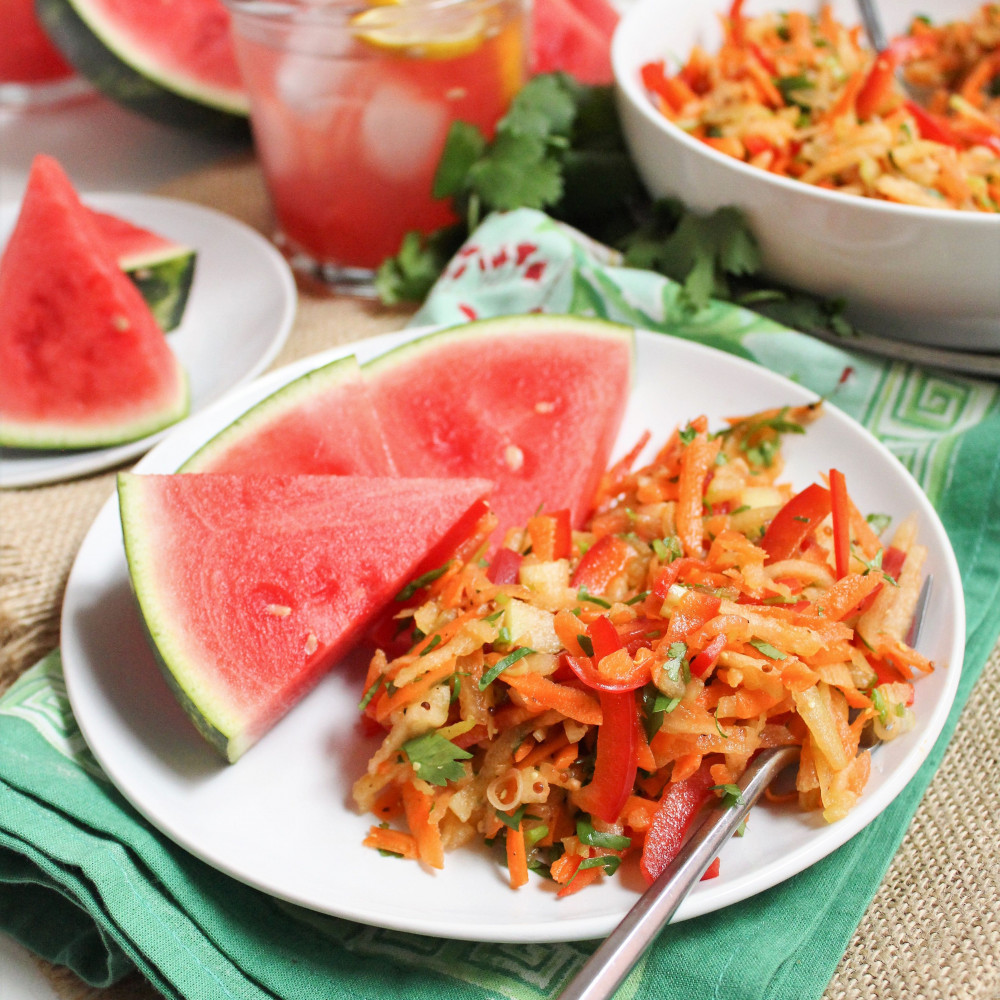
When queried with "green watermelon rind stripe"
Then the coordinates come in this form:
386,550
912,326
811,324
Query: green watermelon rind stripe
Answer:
111,64
51,436
164,279
283,400
507,326
223,728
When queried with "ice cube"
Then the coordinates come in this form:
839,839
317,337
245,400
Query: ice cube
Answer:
402,131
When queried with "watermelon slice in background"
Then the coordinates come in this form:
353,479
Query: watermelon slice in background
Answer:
573,36
172,62
83,363
162,269
532,402
322,422
252,587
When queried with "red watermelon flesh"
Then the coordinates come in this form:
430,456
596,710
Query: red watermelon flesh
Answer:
323,422
252,587
532,402
128,241
82,361
573,36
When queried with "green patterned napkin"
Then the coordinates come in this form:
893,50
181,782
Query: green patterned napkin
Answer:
86,882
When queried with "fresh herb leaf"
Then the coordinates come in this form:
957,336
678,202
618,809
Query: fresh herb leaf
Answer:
583,595
586,644
879,522
676,665
596,838
609,862
370,693
435,759
874,565
501,665
732,796
718,726
433,644
772,652
421,581
639,598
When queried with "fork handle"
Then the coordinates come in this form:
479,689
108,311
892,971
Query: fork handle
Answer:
605,970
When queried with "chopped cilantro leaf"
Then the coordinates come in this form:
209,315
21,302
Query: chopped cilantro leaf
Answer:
676,665
596,838
501,665
583,595
435,759
732,796
609,862
421,581
586,644
435,641
772,652
369,694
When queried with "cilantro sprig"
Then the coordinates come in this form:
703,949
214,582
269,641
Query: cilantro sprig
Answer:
435,759
560,149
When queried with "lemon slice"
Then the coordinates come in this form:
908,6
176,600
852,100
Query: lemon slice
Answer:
458,34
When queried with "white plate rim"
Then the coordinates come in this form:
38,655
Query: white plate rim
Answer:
37,468
819,840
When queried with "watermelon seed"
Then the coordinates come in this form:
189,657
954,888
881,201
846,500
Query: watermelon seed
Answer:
514,457
121,323
279,610
544,407
312,644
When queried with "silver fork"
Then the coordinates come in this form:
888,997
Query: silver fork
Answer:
605,970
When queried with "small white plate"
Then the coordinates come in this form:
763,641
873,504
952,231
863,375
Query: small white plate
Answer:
238,316
282,819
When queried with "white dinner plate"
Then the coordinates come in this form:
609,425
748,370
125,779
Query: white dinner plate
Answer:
238,316
282,819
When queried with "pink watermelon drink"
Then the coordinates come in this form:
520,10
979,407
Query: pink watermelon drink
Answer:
350,108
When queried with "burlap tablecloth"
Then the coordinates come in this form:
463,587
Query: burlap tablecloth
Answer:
932,930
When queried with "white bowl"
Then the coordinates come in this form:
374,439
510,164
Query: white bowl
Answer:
925,275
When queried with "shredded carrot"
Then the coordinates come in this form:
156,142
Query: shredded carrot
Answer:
658,647
517,858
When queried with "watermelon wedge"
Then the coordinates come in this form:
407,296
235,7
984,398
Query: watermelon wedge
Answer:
160,268
321,423
251,587
573,36
82,362
532,402
172,62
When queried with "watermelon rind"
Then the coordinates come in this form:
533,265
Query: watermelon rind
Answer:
285,401
164,279
110,62
526,325
209,713
54,436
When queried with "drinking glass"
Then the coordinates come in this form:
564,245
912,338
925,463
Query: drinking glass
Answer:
350,106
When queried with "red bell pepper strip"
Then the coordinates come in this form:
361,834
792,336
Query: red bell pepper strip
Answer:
712,871
668,575
603,637
677,808
504,566
892,561
589,674
841,509
704,661
601,563
615,766
795,522
930,126
877,84
692,611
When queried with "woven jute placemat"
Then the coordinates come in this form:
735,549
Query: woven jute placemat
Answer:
933,929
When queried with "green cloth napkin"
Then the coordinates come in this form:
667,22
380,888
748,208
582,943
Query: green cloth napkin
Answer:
84,881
